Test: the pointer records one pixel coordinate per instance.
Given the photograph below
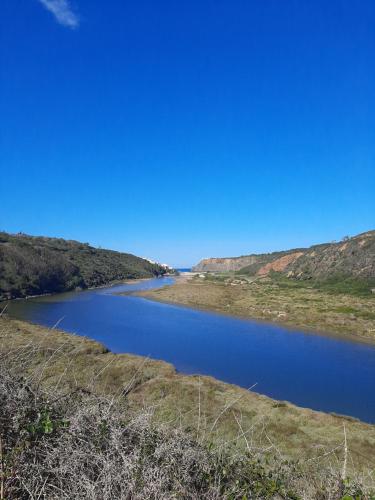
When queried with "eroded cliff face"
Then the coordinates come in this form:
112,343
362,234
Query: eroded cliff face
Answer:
351,257
279,264
251,264
226,263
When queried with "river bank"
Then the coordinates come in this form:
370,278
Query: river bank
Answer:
211,410
309,370
128,281
312,310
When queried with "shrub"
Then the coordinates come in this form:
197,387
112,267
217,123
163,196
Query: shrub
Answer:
79,445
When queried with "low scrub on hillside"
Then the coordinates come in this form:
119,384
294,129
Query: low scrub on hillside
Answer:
35,265
337,284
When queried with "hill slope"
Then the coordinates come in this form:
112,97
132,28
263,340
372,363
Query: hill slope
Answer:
251,262
352,257
32,265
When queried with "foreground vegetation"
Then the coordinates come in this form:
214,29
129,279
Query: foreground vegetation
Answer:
31,265
77,421
326,308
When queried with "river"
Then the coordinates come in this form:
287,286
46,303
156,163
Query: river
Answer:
310,370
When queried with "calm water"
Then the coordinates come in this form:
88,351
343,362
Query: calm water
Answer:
309,370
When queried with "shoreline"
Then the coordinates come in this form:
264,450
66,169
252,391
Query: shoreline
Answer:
153,295
175,372
144,294
291,328
181,399
128,281
179,373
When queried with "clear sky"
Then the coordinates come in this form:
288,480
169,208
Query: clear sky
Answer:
180,130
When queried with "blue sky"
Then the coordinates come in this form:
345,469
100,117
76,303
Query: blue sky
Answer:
181,130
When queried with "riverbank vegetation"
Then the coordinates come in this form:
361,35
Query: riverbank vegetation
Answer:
80,422
31,265
278,299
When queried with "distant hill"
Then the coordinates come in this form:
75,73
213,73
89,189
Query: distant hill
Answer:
32,265
251,262
350,258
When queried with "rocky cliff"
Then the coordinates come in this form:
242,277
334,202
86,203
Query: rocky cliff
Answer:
353,257
250,263
226,263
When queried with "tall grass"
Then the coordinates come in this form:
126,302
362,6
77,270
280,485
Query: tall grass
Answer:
60,443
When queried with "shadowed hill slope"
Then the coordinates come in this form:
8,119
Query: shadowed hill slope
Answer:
32,265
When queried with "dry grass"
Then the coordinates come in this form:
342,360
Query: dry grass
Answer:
264,299
229,421
79,445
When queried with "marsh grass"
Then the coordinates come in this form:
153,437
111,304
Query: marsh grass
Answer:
279,300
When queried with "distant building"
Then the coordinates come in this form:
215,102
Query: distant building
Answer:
166,266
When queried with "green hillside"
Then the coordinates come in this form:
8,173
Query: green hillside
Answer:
32,265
